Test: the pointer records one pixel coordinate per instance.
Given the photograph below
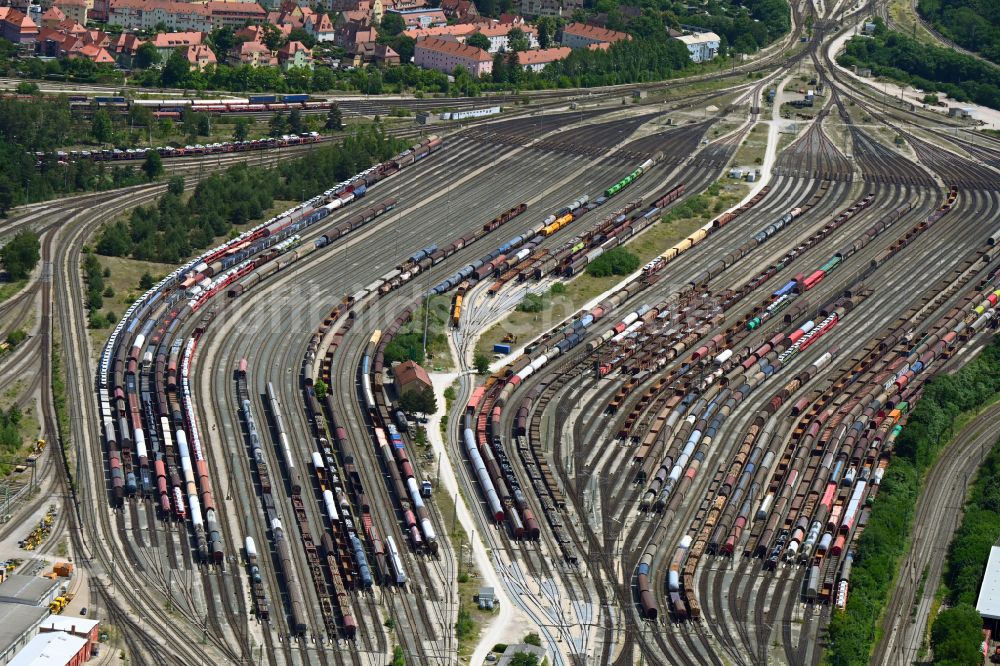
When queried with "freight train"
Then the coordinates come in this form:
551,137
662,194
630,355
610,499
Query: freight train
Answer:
116,154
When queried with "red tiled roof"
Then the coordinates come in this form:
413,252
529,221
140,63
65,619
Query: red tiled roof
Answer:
454,48
543,56
595,33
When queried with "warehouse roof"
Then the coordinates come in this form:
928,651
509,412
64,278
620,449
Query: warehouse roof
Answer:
26,589
52,649
989,595
71,625
16,620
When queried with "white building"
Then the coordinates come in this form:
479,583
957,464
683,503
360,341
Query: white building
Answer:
702,46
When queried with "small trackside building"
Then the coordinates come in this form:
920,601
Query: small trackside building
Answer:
444,56
581,35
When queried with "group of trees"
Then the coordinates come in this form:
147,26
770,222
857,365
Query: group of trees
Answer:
94,276
172,228
10,436
20,255
932,68
928,428
972,24
616,261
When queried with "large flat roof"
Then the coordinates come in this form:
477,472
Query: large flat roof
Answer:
989,594
56,648
26,589
16,619
69,623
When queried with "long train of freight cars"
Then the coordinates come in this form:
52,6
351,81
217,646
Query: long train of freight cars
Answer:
148,332
693,424
500,388
115,154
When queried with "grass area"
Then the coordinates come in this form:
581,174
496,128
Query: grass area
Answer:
62,414
438,317
751,151
8,289
902,14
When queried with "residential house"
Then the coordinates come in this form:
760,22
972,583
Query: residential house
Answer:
375,53
701,46
235,14
538,59
581,35
255,33
497,34
353,33
372,9
460,10
458,32
167,42
420,17
17,27
125,47
52,17
254,54
445,55
320,27
147,14
200,56
93,53
402,5
555,8
76,10
295,54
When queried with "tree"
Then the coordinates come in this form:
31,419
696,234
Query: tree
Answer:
956,635
404,46
295,122
418,400
533,639
153,166
300,35
320,389
397,657
175,71
146,281
221,41
334,119
524,659
242,129
277,124
146,56
203,124
27,88
16,337
481,363
273,39
479,40
101,128
546,29
517,40
392,24
20,255
176,185
140,115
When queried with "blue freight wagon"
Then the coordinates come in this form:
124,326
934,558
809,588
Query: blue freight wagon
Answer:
262,99
501,349
295,98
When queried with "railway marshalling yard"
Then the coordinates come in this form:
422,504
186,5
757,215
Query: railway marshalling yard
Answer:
673,466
